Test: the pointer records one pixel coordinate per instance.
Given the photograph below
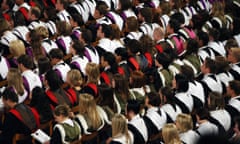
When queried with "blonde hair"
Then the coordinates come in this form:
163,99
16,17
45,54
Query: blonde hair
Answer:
42,32
218,11
170,134
184,122
119,126
15,80
88,108
17,48
93,73
75,77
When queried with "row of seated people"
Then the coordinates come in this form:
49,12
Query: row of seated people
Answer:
221,117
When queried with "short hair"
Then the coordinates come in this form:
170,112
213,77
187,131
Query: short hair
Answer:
235,86
102,8
134,46
64,3
202,113
126,4
154,99
116,33
9,94
216,101
122,52
222,65
236,53
168,93
78,19
192,47
78,47
107,30
36,11
174,24
187,71
133,105
231,43
64,28
17,48
211,64
26,61
181,82
86,36
179,17
63,110
164,59
110,58
185,122
132,23
214,33
146,12
203,36
56,53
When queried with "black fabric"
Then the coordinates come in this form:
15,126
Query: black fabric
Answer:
138,138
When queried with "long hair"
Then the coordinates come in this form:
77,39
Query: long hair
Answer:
92,72
15,80
121,86
119,126
88,108
106,97
170,134
184,123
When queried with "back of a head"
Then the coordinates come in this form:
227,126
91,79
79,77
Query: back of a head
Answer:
214,33
53,80
179,17
168,93
86,36
235,86
132,23
26,61
62,110
107,30
164,59
174,24
154,99
188,72
211,64
134,46
185,122
122,52
56,53
181,83
106,96
9,94
134,106
170,134
202,113
138,79
216,101
203,36
146,12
